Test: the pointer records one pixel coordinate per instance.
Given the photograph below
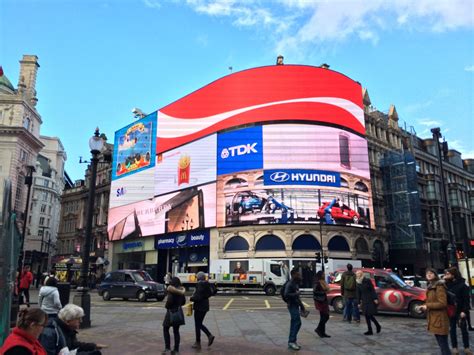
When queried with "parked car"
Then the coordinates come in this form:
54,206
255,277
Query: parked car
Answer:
247,201
340,213
395,296
131,284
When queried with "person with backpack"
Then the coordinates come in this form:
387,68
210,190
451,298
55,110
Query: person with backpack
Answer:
349,292
457,285
436,307
291,295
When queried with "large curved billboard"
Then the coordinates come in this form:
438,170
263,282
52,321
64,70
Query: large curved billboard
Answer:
271,145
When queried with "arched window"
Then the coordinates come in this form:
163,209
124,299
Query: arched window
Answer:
360,186
362,246
270,242
344,183
306,242
338,243
235,183
236,243
259,181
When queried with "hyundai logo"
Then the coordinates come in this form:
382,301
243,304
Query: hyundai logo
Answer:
280,176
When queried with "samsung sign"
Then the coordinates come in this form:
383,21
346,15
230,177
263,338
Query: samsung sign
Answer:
180,240
302,177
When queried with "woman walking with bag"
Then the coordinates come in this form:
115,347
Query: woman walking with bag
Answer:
174,314
437,310
321,304
200,300
368,301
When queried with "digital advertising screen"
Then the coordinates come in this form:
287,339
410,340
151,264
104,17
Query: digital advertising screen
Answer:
271,145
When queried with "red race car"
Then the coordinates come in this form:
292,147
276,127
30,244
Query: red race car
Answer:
395,296
340,213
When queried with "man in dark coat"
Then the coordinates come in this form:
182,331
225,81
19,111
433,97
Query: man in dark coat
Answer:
200,300
61,332
348,291
291,295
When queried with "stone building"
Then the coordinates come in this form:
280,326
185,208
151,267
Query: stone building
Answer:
74,211
20,124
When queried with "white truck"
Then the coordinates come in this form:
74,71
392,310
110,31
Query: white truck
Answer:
245,274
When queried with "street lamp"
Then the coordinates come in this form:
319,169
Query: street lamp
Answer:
186,225
450,249
83,298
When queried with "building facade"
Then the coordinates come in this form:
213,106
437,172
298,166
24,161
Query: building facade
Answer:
74,210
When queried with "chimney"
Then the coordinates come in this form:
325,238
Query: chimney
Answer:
27,81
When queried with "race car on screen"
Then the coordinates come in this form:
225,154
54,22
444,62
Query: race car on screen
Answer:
334,211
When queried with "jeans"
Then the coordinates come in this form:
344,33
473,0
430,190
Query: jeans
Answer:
323,319
443,344
351,309
166,335
295,324
369,320
453,322
26,292
198,326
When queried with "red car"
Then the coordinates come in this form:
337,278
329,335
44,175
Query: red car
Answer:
395,296
341,213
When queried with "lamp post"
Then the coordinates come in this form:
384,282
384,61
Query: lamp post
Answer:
186,225
450,249
83,298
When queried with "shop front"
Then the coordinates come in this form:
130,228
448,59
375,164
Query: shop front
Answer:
183,252
134,254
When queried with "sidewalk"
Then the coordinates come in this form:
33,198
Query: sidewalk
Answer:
138,330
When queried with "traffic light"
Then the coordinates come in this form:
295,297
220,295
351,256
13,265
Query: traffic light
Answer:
318,257
326,259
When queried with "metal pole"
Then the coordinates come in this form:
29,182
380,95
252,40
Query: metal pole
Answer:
451,248
321,235
83,297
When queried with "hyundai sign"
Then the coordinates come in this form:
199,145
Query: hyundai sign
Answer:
302,177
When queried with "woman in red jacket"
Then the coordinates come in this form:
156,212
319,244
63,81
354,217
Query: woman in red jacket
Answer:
23,340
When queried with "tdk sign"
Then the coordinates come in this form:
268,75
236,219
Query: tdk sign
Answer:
239,150
302,177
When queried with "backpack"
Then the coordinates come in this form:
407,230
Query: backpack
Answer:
283,291
349,282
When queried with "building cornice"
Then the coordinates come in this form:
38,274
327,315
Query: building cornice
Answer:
22,133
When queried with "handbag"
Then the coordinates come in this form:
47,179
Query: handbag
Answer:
176,317
189,309
319,296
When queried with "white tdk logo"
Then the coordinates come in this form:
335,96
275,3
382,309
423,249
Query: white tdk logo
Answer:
238,150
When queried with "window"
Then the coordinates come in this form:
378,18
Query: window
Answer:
128,278
41,221
43,208
27,123
45,182
45,196
40,232
275,269
19,191
23,155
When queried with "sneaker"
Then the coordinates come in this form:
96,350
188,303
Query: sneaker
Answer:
454,351
211,340
326,336
467,351
357,320
369,333
293,346
321,335
379,329
166,351
196,345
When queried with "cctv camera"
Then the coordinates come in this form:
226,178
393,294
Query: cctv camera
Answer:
138,113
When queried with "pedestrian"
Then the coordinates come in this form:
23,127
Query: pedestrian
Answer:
61,332
349,292
48,298
321,303
23,340
368,301
457,285
291,295
174,313
167,279
200,300
436,307
26,279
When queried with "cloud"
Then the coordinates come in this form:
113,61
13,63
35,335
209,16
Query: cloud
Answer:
429,123
469,68
154,4
294,24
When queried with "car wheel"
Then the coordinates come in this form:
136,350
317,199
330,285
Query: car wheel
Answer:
270,290
161,298
106,295
125,298
355,219
338,305
141,295
414,311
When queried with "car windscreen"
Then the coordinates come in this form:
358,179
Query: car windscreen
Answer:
141,276
398,280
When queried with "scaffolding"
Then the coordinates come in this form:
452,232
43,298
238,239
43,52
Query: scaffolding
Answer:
402,200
